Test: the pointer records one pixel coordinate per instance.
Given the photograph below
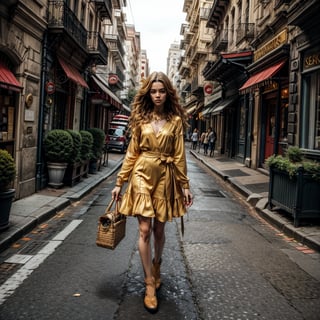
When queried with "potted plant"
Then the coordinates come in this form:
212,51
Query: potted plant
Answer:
86,151
97,148
58,147
294,184
7,174
73,171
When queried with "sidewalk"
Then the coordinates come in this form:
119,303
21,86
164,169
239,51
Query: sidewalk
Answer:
28,212
254,186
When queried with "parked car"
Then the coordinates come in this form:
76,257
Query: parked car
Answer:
116,138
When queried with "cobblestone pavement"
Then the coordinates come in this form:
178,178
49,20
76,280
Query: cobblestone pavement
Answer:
230,264
240,267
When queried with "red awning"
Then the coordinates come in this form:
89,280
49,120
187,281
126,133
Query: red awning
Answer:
72,73
260,77
8,80
236,55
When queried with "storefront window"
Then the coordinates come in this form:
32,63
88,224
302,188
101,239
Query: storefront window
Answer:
311,111
7,115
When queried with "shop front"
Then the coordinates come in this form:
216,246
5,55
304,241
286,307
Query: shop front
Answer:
10,89
265,96
310,102
68,96
228,114
104,103
304,93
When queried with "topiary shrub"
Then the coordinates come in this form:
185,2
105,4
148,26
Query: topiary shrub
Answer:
7,170
86,147
58,146
98,142
77,144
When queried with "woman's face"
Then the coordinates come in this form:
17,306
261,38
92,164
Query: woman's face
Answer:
158,94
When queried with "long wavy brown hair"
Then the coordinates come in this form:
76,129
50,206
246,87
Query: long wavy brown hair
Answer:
142,106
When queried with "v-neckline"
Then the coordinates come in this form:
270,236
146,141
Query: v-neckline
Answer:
159,128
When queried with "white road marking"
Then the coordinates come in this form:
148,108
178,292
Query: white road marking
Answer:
32,262
67,230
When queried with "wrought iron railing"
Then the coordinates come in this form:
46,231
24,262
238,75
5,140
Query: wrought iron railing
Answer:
221,41
95,43
245,31
61,17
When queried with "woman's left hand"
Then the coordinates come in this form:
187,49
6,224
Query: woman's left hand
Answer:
188,198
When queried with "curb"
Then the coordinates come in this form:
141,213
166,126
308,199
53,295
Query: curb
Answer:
48,211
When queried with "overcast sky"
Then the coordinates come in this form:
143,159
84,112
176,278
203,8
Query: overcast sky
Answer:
159,23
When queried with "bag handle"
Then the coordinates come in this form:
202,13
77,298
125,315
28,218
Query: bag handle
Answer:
109,207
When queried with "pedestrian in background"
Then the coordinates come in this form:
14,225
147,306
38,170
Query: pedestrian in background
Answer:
156,170
206,142
201,140
212,141
194,138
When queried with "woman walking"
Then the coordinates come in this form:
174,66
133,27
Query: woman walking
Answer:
156,171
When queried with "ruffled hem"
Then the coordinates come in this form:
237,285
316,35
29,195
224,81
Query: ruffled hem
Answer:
144,205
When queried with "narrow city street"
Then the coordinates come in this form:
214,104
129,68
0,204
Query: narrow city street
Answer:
230,264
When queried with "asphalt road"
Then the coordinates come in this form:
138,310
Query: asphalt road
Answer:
230,264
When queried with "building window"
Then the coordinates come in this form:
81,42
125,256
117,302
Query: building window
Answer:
311,111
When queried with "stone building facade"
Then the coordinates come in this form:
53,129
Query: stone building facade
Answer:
263,65
62,66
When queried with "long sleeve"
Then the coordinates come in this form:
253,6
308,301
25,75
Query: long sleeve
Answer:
180,163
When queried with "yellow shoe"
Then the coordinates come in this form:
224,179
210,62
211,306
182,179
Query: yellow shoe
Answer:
150,298
156,273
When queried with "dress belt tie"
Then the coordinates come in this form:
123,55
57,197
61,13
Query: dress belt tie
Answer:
168,160
163,157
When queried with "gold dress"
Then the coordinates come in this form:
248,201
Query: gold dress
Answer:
156,171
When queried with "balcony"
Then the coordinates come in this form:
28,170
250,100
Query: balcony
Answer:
97,48
245,31
184,68
104,7
220,43
217,13
115,47
198,50
62,19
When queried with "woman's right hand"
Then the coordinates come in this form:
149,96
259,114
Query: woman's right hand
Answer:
116,193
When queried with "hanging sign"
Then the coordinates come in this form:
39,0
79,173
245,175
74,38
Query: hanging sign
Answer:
208,88
50,87
113,79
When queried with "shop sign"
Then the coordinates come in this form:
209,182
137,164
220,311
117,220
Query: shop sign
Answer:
50,87
311,60
274,43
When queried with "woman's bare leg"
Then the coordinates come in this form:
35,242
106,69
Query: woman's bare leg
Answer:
159,239
145,228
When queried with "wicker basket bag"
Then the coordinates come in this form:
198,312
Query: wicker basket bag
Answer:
111,227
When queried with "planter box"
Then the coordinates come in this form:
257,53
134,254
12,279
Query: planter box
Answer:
85,168
299,195
73,174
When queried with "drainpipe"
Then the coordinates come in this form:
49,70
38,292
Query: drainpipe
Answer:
39,168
